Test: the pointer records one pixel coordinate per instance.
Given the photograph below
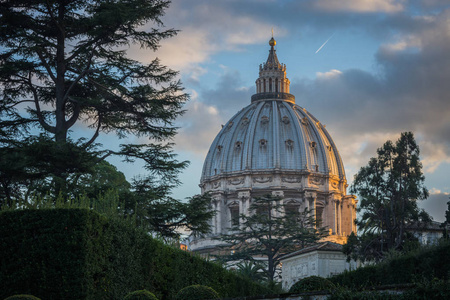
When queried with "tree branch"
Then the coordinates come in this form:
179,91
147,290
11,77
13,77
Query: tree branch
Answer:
94,137
41,119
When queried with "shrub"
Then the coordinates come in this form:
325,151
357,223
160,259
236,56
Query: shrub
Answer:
22,297
429,262
77,254
312,283
197,292
140,295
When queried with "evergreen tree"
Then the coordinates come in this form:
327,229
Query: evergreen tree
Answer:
63,63
269,231
389,188
446,223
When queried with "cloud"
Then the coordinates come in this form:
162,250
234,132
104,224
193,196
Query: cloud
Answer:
198,127
436,204
410,92
205,30
406,90
230,94
361,6
209,109
329,74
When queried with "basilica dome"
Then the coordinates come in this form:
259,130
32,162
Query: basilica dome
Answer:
270,135
273,146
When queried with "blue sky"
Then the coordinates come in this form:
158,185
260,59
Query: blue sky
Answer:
385,69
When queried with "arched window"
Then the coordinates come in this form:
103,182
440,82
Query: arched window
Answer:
276,85
264,81
270,84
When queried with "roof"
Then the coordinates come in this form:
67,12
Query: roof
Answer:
420,226
325,246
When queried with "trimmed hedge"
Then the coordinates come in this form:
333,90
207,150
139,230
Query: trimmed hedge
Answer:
432,262
197,292
140,295
53,254
312,283
22,297
78,254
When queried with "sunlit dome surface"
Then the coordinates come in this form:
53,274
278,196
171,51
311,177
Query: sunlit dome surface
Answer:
273,134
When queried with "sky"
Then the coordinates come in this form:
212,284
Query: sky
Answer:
368,69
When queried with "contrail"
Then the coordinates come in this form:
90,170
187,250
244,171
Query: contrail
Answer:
324,44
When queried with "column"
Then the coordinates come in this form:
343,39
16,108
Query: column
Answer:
219,217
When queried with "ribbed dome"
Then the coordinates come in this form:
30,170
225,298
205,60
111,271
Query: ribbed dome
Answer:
272,135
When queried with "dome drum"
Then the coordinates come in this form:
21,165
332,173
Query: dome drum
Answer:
273,96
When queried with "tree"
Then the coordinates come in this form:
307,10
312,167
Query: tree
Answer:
63,63
271,230
165,216
389,188
446,223
252,271
64,66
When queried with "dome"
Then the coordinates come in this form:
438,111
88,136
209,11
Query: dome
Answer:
272,135
273,146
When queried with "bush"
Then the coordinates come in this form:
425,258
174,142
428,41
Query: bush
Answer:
140,295
77,254
22,297
197,292
369,295
428,263
312,283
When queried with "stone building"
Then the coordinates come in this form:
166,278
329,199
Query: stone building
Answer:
323,259
274,146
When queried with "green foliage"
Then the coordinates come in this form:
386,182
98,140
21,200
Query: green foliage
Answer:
427,263
312,283
389,188
270,230
251,270
22,297
62,64
424,289
350,249
79,254
55,254
345,294
197,292
446,224
163,215
140,295
430,289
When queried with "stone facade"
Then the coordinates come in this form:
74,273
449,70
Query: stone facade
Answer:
324,260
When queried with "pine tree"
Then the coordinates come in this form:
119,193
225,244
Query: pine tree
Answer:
63,63
389,188
269,231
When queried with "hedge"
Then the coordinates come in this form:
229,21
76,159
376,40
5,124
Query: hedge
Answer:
79,254
312,283
140,295
197,292
22,297
432,262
